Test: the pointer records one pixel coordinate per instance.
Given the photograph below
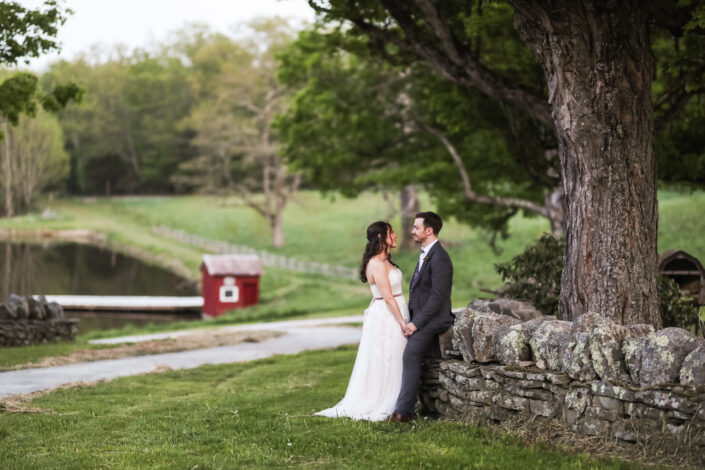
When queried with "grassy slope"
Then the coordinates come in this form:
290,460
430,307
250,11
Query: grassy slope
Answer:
330,231
318,229
682,223
315,228
250,415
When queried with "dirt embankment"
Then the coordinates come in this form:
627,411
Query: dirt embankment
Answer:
201,340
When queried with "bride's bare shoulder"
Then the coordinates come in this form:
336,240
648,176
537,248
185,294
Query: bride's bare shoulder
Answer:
375,266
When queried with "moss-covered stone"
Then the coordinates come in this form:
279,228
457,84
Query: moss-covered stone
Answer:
547,340
606,352
511,343
576,360
462,333
663,355
633,348
484,330
693,369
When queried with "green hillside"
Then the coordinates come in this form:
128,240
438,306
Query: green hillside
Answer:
324,230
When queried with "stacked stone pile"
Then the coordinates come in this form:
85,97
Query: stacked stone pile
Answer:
592,374
28,320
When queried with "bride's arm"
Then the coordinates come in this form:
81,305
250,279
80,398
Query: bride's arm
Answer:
381,279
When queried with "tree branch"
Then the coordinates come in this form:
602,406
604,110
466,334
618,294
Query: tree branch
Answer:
317,8
676,107
678,96
455,63
246,196
440,29
468,192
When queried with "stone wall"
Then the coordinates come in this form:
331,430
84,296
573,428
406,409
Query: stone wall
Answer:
29,320
593,375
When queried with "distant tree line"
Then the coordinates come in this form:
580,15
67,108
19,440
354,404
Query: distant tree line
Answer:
194,114
340,107
32,155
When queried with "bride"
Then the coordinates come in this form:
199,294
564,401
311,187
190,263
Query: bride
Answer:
376,377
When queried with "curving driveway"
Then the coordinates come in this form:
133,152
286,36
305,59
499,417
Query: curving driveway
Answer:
300,335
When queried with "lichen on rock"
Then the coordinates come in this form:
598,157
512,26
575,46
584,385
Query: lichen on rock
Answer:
484,329
606,350
511,343
663,354
547,340
462,333
693,369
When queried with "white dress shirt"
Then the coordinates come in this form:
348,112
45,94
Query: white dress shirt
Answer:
424,252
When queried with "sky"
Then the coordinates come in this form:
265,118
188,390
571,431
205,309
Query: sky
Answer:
142,23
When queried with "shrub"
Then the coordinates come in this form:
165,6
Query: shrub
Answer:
674,310
535,276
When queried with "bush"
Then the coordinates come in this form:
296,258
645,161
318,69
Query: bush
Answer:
674,310
535,276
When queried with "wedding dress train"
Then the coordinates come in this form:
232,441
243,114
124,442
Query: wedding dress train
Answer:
376,377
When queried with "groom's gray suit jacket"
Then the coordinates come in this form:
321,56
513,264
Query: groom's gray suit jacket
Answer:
429,295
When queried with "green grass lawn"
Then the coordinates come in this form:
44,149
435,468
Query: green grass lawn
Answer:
254,414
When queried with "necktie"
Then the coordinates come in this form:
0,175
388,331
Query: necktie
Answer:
416,274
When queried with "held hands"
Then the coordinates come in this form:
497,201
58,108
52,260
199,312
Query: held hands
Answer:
409,329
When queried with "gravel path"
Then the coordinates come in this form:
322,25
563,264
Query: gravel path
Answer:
301,335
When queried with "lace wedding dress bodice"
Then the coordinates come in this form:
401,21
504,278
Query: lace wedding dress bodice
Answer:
376,377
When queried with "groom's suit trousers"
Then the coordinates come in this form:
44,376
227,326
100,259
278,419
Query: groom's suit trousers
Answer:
416,349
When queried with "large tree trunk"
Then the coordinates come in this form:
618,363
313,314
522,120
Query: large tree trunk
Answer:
7,171
599,70
409,209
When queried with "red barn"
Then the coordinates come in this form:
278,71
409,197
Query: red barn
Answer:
229,282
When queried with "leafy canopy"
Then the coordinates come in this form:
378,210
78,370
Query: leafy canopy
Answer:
359,120
24,34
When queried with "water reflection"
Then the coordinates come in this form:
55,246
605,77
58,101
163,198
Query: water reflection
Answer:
73,268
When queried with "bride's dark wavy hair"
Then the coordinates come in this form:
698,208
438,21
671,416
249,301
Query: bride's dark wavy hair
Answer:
376,243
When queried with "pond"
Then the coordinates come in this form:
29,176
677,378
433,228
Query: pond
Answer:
78,269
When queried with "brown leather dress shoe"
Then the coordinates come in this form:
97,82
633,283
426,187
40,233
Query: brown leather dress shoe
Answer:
399,418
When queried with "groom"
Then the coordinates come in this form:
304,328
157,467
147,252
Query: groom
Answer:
429,307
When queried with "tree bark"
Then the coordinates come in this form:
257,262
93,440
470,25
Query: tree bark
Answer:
7,172
599,69
276,223
409,209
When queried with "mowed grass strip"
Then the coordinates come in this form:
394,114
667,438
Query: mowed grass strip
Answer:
250,415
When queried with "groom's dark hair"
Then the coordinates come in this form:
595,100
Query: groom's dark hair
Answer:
431,219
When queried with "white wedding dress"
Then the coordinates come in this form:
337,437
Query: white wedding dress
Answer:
376,377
